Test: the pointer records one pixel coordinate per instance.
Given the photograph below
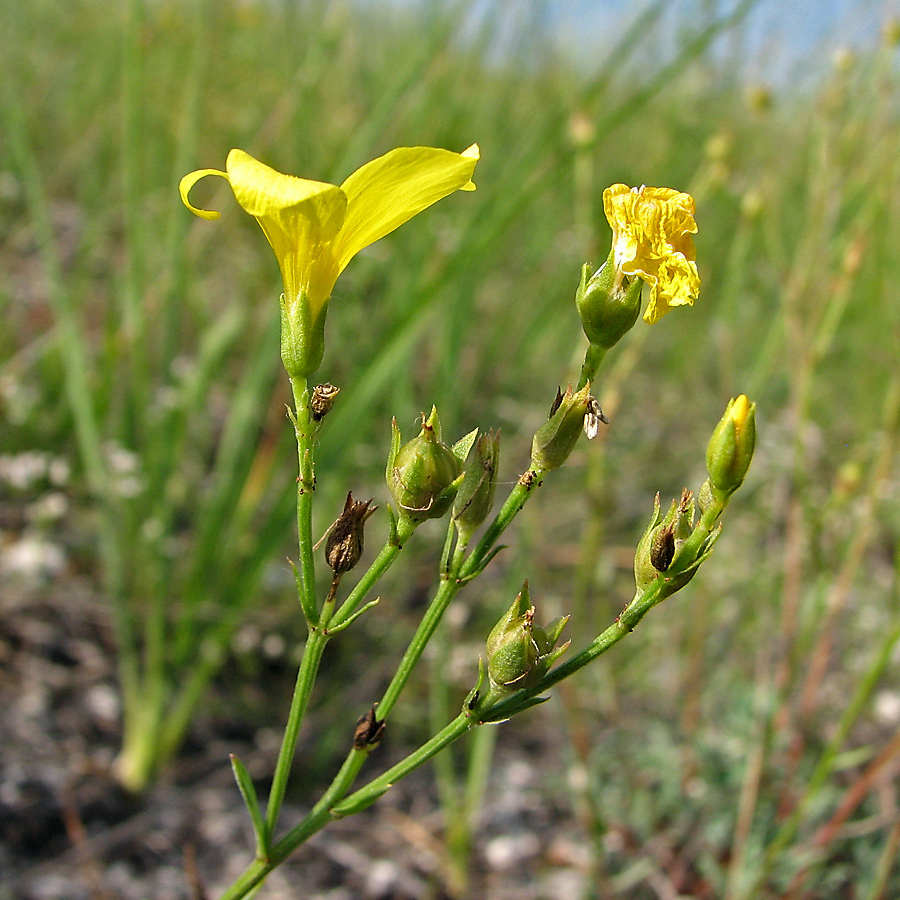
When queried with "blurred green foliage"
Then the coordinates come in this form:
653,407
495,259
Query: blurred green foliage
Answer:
169,325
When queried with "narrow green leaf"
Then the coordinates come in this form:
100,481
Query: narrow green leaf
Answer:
248,792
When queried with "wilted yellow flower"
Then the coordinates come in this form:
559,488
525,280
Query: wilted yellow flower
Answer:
316,228
652,230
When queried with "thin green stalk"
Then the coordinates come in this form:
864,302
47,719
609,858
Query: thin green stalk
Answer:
517,498
304,429
448,589
306,485
592,359
306,677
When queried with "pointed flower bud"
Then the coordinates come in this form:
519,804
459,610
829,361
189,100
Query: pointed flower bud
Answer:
475,497
345,542
556,438
422,474
608,307
730,448
519,652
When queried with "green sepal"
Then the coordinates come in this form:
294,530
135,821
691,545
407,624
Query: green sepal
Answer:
302,339
251,801
395,449
462,447
471,701
423,475
556,438
608,312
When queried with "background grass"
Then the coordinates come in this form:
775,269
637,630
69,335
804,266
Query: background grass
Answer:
140,345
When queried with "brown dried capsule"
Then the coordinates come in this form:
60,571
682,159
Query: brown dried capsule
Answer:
322,400
345,543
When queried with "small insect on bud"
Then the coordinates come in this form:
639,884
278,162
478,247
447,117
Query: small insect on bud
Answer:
322,400
345,542
592,419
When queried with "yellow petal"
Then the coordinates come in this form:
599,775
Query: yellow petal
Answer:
184,188
652,230
390,190
263,191
299,218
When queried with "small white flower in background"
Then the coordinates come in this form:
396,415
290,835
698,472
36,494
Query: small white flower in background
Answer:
887,707
48,508
124,466
31,559
21,470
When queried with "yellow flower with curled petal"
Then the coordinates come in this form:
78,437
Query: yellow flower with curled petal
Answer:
316,228
652,230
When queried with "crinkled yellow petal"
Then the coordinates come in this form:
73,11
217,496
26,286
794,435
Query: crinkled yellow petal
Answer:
189,180
652,230
390,190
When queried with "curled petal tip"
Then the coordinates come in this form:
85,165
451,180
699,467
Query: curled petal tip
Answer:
184,188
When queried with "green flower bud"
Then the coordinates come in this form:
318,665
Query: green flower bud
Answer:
475,497
519,652
422,475
730,448
608,311
662,540
556,438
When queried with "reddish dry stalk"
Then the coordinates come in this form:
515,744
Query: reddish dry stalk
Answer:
857,792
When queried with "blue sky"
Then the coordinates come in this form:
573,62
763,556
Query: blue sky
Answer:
784,34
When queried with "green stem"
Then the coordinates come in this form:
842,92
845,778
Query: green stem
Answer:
304,429
448,589
309,667
367,795
592,359
517,498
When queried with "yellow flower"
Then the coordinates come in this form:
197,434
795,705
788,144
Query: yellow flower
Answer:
315,228
652,230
